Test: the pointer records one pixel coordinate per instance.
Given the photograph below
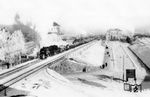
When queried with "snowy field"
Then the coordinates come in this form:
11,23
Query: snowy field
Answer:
48,83
73,63
92,56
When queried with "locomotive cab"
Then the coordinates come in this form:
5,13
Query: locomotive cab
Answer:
43,53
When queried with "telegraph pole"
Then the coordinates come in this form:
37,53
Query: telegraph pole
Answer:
123,68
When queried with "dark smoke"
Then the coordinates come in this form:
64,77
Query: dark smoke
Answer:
28,30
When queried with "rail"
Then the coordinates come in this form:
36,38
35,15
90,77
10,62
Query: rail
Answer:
18,68
134,64
10,77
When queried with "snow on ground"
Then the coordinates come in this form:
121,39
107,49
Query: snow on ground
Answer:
48,83
92,55
124,58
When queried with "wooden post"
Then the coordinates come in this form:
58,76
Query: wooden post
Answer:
123,68
5,92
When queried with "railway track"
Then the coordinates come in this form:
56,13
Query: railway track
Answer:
144,41
17,69
129,57
24,73
135,63
147,40
12,76
122,58
122,54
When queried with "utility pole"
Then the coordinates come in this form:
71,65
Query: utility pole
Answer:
5,92
123,68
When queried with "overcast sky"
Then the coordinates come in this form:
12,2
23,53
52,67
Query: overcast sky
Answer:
78,15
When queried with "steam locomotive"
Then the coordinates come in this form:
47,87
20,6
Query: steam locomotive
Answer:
49,51
54,49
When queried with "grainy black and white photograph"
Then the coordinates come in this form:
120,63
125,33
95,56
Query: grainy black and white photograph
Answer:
74,48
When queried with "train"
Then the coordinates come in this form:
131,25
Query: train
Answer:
54,49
